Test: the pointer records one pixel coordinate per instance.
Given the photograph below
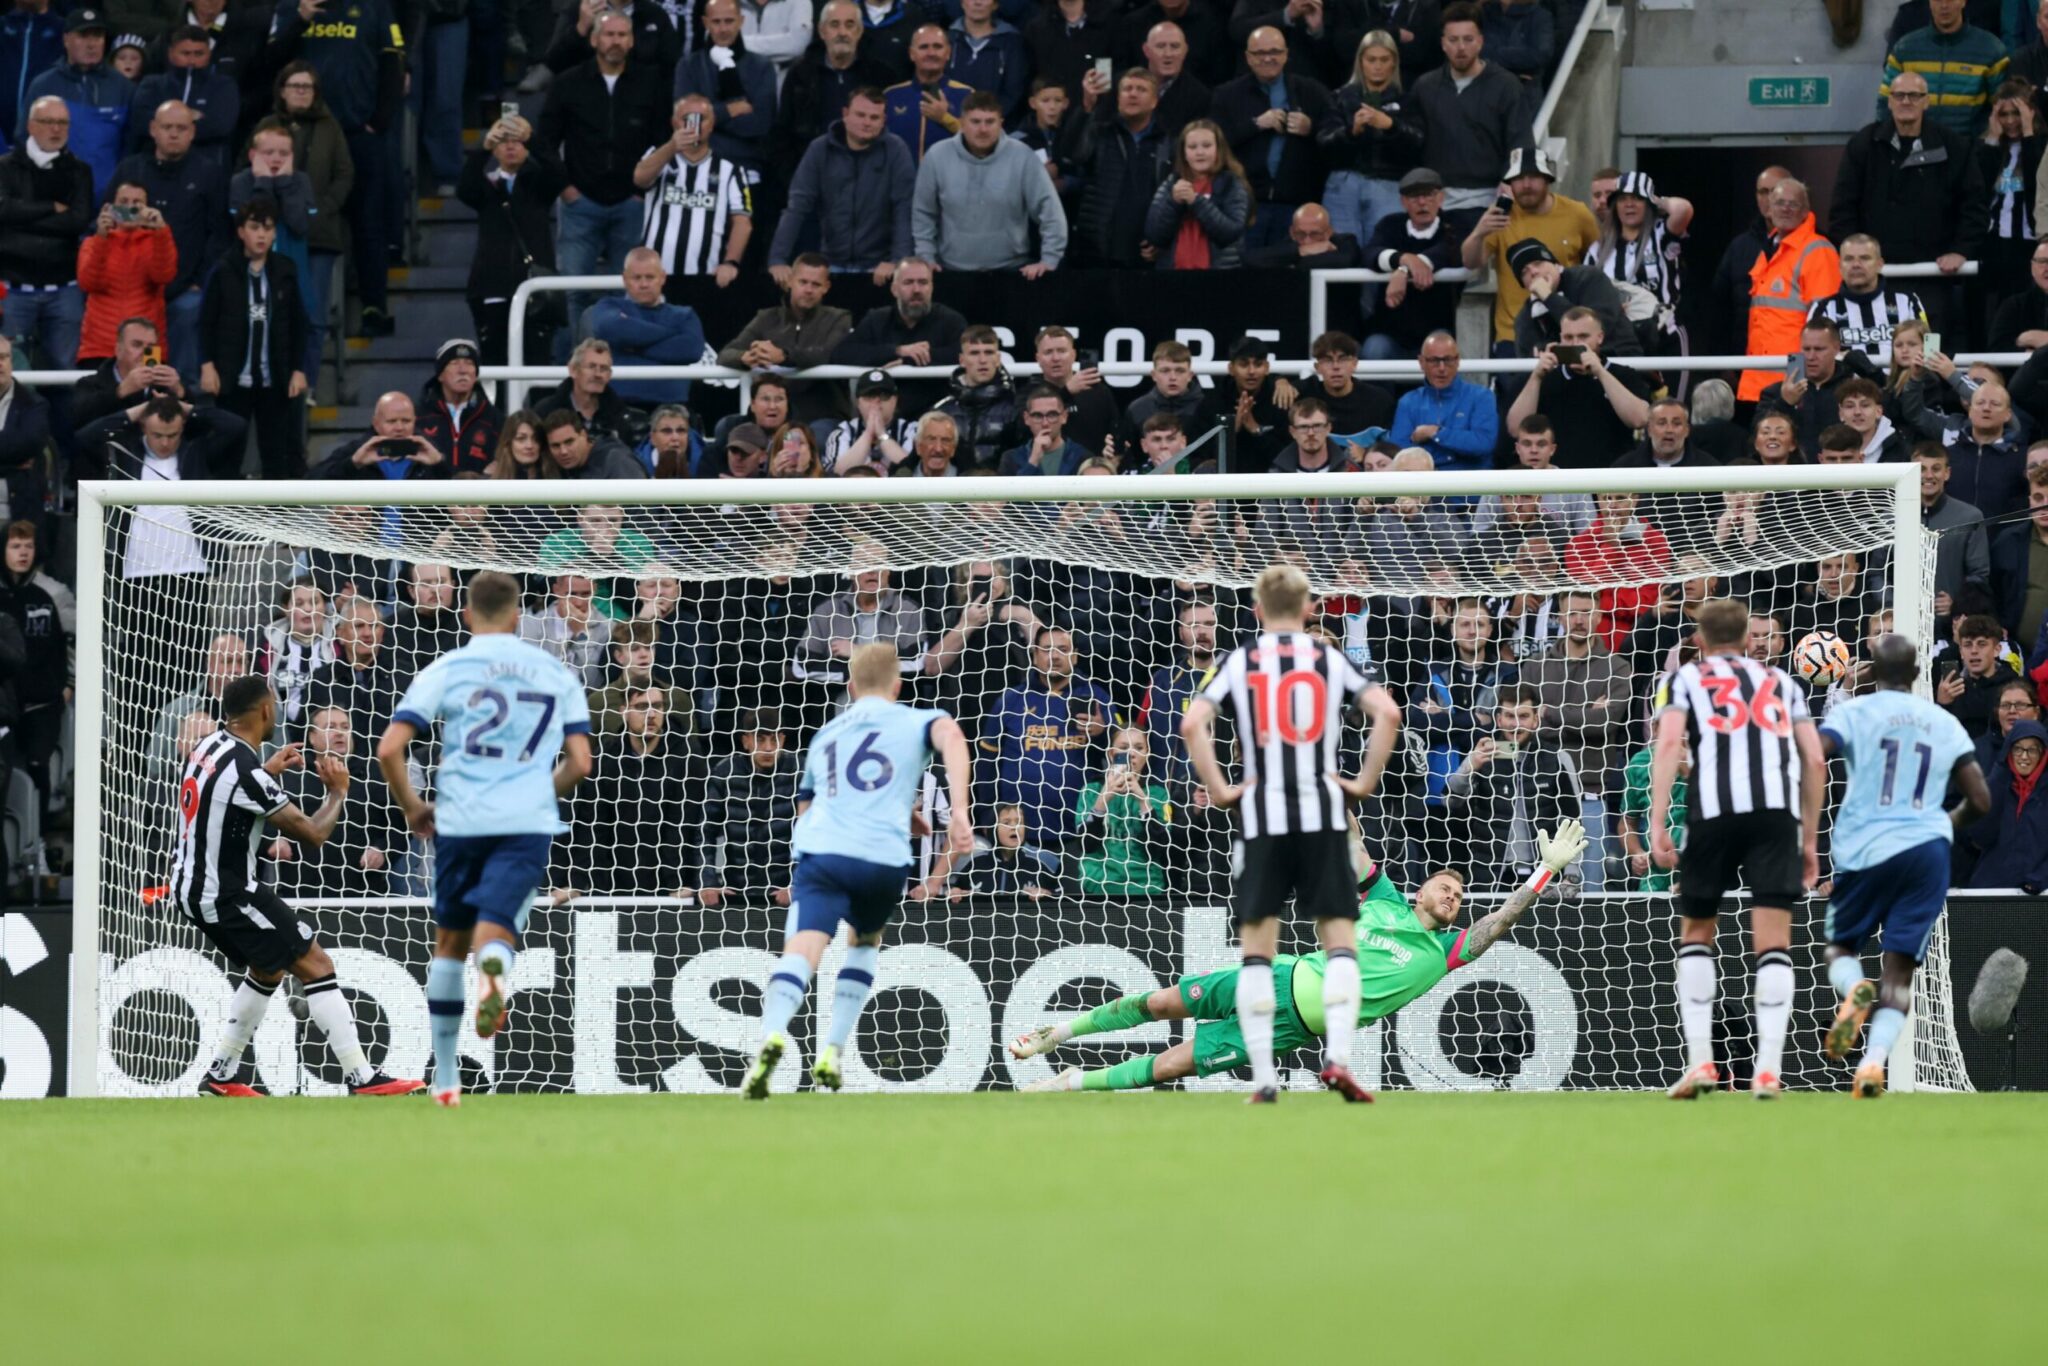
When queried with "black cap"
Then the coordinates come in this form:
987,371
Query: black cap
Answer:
1249,347
1526,253
455,349
83,20
1420,181
875,382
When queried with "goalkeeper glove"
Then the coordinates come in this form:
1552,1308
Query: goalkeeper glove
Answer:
1561,848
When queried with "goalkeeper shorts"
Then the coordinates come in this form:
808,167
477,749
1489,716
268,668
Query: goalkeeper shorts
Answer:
1219,1043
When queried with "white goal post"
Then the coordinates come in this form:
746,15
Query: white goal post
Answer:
635,987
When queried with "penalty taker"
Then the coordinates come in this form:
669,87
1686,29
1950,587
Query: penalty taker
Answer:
1403,951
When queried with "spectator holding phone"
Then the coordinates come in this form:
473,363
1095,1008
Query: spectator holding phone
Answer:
123,269
1126,812
391,451
1513,783
1968,683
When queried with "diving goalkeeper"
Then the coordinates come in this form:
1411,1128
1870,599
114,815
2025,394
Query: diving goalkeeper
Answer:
1403,951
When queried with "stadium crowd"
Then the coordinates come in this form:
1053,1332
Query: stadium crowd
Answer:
183,181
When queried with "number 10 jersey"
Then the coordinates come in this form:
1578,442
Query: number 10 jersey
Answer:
1288,693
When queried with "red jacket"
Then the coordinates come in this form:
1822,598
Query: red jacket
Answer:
123,274
1590,558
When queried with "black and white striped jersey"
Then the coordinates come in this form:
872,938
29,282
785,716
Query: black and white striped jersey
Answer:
690,211
223,800
1740,722
1651,261
1867,320
1287,694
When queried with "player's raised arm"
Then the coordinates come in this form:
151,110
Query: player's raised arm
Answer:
393,752
1558,851
1384,713
313,830
1198,734
1665,758
951,742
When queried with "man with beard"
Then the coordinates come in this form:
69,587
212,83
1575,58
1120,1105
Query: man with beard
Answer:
358,857
913,330
638,810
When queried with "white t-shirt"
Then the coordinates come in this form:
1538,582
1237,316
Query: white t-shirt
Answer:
161,541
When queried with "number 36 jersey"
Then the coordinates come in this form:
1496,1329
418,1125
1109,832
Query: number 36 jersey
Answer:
1740,719
861,778
504,706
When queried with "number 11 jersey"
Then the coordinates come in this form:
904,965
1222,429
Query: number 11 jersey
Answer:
1740,718
861,778
1287,693
1899,749
504,706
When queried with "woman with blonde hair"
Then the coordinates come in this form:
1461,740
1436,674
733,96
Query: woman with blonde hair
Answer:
1371,137
1199,215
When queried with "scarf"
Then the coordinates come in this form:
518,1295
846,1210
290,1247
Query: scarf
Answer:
43,160
1191,247
2023,787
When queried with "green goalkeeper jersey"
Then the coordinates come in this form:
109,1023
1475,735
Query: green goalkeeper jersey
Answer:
1398,958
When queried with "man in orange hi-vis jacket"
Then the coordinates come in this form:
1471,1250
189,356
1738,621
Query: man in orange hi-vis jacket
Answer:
1797,268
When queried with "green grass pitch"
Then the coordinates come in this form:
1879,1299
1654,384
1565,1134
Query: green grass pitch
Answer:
972,1229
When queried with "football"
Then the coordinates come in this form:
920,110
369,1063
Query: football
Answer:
1821,657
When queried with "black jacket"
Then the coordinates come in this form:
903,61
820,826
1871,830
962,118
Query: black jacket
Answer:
1286,256
1423,311
2024,310
1236,109
1182,102
813,95
2011,552
111,448
224,320
1422,18
1817,411
1918,205
1469,133
614,419
1062,54
1483,803
27,430
192,195
515,232
38,245
1211,56
1123,169
880,331
987,415
626,816
657,45
47,668
1579,287
1376,153
598,135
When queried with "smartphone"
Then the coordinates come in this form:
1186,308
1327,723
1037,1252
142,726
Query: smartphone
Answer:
508,109
1120,760
694,122
153,354
1506,749
126,213
1931,343
1087,360
1568,355
396,448
1105,66
1505,204
1795,368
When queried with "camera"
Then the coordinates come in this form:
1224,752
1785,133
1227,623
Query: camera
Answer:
396,448
1568,355
126,213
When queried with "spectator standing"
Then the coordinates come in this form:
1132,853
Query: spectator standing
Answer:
514,194
601,537
31,42
1967,683
740,85
1269,116
134,372
97,96
252,342
1594,407
2019,567
1049,134
272,174
1453,419
1199,214
885,36
1642,243
2012,841
798,333
1413,246
1588,697
599,118
700,209
2021,320
1809,392
588,394
815,90
639,807
46,615
1473,115
853,188
1561,226
644,329
926,108
1522,38
749,811
777,30
123,269
1726,311
1211,55
2009,160
1182,97
188,77
237,41
1355,406
1310,245
1969,64
320,150
1175,684
1962,554
1037,741
570,629
1915,185
190,192
1795,267
1065,38
361,68
1174,391
1092,410
1987,456
24,441
1510,785
46,200
661,34
1866,310
1125,156
1258,424
910,330
357,680
979,196
1126,815
1619,545
454,412
1418,28
1634,819
369,840
428,625
1371,138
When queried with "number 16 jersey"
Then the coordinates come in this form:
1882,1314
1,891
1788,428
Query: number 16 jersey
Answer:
1740,719
1287,693
504,706
861,778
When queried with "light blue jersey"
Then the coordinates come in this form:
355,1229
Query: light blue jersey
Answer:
1899,749
504,706
862,779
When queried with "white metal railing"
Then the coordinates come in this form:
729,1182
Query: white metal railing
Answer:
1926,270
1319,282
1589,18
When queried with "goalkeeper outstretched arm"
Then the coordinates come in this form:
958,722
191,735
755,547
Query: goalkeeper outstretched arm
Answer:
1421,931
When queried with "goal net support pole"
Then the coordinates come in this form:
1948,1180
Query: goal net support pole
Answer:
930,525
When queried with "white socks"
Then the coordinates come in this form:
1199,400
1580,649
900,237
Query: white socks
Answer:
245,1015
330,1010
1773,1008
1340,1005
1255,1018
1697,983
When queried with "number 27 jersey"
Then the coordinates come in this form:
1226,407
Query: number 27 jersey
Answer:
861,778
1741,719
504,707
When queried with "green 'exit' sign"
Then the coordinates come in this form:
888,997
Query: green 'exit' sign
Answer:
1788,92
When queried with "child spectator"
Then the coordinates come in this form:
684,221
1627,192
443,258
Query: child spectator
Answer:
1969,686
1635,818
252,341
750,807
1199,213
1010,866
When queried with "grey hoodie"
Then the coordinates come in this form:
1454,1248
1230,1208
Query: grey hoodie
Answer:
975,213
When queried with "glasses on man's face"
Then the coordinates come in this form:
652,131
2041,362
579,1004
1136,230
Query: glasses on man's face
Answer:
1909,96
1041,417
1439,360
1266,52
1310,427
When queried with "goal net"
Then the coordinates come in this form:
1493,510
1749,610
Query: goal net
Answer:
1521,619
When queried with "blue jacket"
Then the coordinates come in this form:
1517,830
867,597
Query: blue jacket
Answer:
213,97
98,99
1467,423
1001,65
861,201
2014,838
30,44
1018,461
1039,758
661,334
905,117
744,139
